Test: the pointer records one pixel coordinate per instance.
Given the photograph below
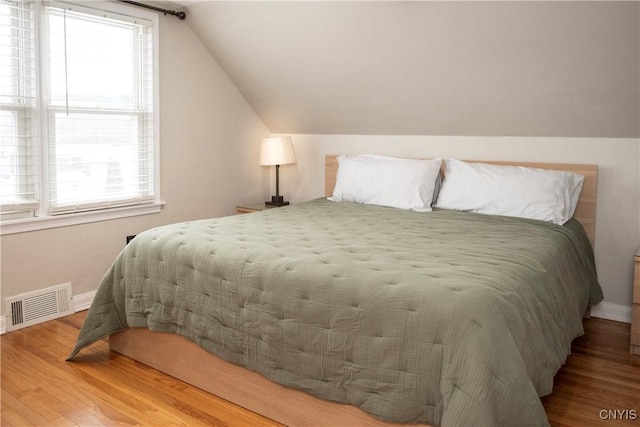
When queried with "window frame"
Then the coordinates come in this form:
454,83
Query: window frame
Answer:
42,219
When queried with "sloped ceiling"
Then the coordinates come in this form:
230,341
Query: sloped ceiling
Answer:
558,68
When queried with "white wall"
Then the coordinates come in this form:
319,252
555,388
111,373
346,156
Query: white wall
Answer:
618,211
209,139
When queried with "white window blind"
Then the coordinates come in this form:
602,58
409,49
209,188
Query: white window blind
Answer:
99,102
78,110
18,110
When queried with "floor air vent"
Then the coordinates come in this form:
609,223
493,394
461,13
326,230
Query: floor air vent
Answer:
39,306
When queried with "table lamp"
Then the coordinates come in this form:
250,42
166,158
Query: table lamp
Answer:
277,151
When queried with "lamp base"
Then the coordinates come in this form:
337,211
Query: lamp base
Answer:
276,201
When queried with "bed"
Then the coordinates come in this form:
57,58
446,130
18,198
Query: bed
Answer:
325,313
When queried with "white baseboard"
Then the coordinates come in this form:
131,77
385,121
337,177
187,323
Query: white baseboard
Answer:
610,311
83,301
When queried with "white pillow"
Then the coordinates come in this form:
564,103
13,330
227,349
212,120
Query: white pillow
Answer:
386,181
510,190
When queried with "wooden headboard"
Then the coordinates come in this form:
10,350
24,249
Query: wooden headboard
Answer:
585,211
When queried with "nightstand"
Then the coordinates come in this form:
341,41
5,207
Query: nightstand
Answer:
635,313
249,208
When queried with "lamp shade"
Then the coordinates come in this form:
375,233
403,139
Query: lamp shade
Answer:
277,151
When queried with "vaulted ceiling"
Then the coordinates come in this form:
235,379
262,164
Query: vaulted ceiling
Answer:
557,68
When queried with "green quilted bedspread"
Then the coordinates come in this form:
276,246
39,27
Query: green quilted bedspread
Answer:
449,318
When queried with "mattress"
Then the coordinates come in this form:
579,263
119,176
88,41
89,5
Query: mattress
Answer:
447,317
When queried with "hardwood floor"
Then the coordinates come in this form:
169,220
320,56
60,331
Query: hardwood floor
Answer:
600,380
101,388
599,385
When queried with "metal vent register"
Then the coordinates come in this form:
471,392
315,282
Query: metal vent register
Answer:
36,307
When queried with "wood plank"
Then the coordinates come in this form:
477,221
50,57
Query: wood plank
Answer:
600,375
634,341
103,389
636,280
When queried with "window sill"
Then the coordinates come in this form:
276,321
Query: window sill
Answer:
42,223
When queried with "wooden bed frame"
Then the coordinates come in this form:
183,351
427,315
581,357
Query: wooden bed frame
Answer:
182,359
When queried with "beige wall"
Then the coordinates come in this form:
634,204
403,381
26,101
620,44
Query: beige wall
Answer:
530,68
618,211
209,139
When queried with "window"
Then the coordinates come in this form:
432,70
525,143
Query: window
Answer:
78,114
18,115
